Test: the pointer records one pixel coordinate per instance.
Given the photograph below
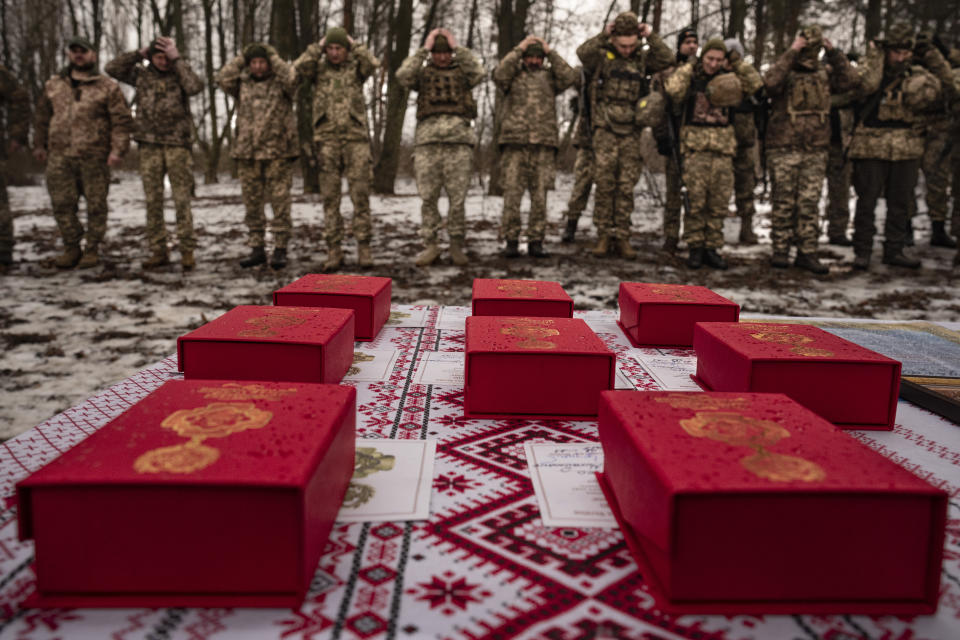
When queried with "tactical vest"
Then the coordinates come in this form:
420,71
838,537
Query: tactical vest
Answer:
889,112
700,112
808,94
619,85
444,91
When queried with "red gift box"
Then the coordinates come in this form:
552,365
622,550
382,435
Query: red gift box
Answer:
535,368
841,381
368,296
249,342
664,314
528,298
206,493
750,503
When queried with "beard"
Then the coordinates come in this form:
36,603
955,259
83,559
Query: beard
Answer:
83,67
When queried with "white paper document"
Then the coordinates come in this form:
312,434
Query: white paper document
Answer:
405,315
392,480
372,365
444,368
672,373
453,318
601,321
566,486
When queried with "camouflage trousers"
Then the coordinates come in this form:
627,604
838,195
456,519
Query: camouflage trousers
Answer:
157,160
709,180
797,178
936,172
350,158
526,168
441,167
67,179
6,216
618,166
744,180
894,181
266,180
583,169
838,191
673,201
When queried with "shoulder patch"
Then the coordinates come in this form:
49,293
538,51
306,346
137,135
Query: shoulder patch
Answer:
610,55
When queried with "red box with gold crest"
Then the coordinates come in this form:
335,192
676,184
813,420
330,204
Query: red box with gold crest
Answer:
205,493
528,298
842,382
664,314
535,367
294,344
744,503
368,296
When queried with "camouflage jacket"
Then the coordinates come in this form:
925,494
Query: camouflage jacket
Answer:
617,83
583,132
529,110
162,100
82,118
800,100
266,127
442,127
17,104
685,88
339,108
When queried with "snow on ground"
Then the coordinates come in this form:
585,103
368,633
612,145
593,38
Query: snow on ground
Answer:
69,334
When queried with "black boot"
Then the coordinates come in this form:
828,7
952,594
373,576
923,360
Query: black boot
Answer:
895,258
535,249
257,256
780,259
861,262
840,241
810,262
714,259
512,250
695,259
570,232
279,258
908,242
940,237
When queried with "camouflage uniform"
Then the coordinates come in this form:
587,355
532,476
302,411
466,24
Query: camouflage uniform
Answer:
163,132
744,161
444,139
798,139
661,133
266,143
838,170
616,85
529,136
341,135
935,165
17,104
583,164
79,123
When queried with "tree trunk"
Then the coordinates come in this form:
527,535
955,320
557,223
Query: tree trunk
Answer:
657,15
213,145
401,28
872,27
511,29
308,162
738,14
760,21
348,16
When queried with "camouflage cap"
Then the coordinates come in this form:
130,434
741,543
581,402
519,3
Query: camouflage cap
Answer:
533,50
337,35
713,43
441,44
153,49
255,50
80,41
899,36
626,24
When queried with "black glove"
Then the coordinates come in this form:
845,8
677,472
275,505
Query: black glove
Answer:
664,147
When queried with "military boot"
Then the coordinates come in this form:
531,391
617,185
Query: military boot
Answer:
428,256
895,258
625,250
187,262
695,259
861,262
909,240
569,234
940,237
840,240
334,259
810,262
780,259
713,259
90,258
69,258
512,250
6,257
364,256
257,257
535,249
279,258
603,246
747,236
670,244
159,258
457,255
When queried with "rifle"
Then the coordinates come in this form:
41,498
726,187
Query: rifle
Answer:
676,158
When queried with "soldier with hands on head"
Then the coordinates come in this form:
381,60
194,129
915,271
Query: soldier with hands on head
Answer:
163,131
798,140
82,128
444,138
620,106
15,100
583,162
337,66
529,136
265,145
745,131
706,93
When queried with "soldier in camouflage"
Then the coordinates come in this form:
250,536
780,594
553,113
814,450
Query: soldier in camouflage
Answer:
338,67
745,131
839,168
706,92
798,137
163,133
619,70
265,145
887,143
529,136
583,164
444,139
82,129
15,101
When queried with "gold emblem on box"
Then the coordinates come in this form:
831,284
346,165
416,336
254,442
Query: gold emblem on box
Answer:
801,343
216,420
702,402
331,283
676,291
273,321
532,333
513,289
232,391
743,431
